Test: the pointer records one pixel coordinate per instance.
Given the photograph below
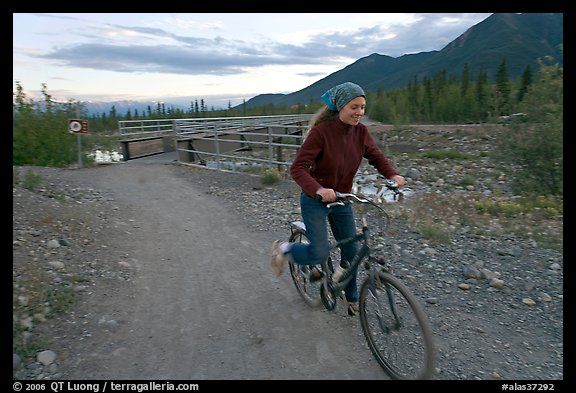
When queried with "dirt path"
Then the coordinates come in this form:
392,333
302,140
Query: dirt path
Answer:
171,264
203,303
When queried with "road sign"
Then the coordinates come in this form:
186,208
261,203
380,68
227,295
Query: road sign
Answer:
77,126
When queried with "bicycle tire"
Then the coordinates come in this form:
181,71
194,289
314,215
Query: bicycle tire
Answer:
406,351
308,289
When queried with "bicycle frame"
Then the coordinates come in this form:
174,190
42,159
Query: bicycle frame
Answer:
363,252
330,289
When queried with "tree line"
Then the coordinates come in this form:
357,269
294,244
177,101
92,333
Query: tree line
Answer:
448,99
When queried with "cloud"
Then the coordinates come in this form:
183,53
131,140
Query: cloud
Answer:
122,48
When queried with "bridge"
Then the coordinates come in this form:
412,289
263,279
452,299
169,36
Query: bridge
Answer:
261,140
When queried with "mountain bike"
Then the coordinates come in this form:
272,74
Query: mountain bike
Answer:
393,320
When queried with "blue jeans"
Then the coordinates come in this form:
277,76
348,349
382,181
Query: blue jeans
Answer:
341,218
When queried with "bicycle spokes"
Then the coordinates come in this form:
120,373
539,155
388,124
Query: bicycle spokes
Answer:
384,301
396,328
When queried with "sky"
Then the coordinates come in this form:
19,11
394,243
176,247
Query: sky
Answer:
222,58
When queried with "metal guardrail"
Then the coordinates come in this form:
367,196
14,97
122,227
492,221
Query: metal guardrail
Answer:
219,148
138,129
259,140
219,141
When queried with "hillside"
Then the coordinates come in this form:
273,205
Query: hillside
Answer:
521,39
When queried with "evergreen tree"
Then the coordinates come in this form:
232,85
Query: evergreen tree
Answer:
465,83
439,83
414,99
481,94
428,99
501,99
525,82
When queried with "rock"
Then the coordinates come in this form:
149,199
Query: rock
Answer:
46,357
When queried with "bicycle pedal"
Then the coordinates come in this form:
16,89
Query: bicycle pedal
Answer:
316,275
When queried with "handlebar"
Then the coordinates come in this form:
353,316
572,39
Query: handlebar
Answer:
344,198
393,186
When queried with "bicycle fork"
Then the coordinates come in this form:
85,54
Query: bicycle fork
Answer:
327,292
374,283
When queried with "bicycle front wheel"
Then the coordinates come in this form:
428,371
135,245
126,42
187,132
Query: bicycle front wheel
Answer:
306,278
396,328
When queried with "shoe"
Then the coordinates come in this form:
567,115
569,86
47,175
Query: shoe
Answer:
338,273
278,259
353,309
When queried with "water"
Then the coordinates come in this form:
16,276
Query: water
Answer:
371,184
105,157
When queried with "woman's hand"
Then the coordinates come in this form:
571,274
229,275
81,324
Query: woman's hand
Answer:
328,195
399,180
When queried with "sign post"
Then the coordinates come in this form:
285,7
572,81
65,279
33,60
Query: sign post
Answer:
78,127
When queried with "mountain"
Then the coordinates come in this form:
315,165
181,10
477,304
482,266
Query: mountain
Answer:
521,39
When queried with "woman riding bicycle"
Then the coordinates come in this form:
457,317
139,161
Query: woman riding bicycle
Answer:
326,163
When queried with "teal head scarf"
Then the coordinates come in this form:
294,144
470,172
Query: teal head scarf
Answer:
337,97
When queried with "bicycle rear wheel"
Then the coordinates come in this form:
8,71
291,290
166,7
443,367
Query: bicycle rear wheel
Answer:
306,278
396,328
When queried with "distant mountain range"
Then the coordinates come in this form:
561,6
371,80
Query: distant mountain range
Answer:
521,39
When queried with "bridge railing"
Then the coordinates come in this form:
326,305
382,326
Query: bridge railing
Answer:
228,143
216,142
137,129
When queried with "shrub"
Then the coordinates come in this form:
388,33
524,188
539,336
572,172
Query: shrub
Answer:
271,176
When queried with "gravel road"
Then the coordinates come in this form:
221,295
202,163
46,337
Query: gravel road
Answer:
198,300
176,285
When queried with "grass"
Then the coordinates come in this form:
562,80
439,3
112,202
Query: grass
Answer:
271,176
544,206
434,233
438,216
446,154
34,301
31,181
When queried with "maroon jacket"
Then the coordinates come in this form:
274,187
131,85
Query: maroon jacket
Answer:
331,155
